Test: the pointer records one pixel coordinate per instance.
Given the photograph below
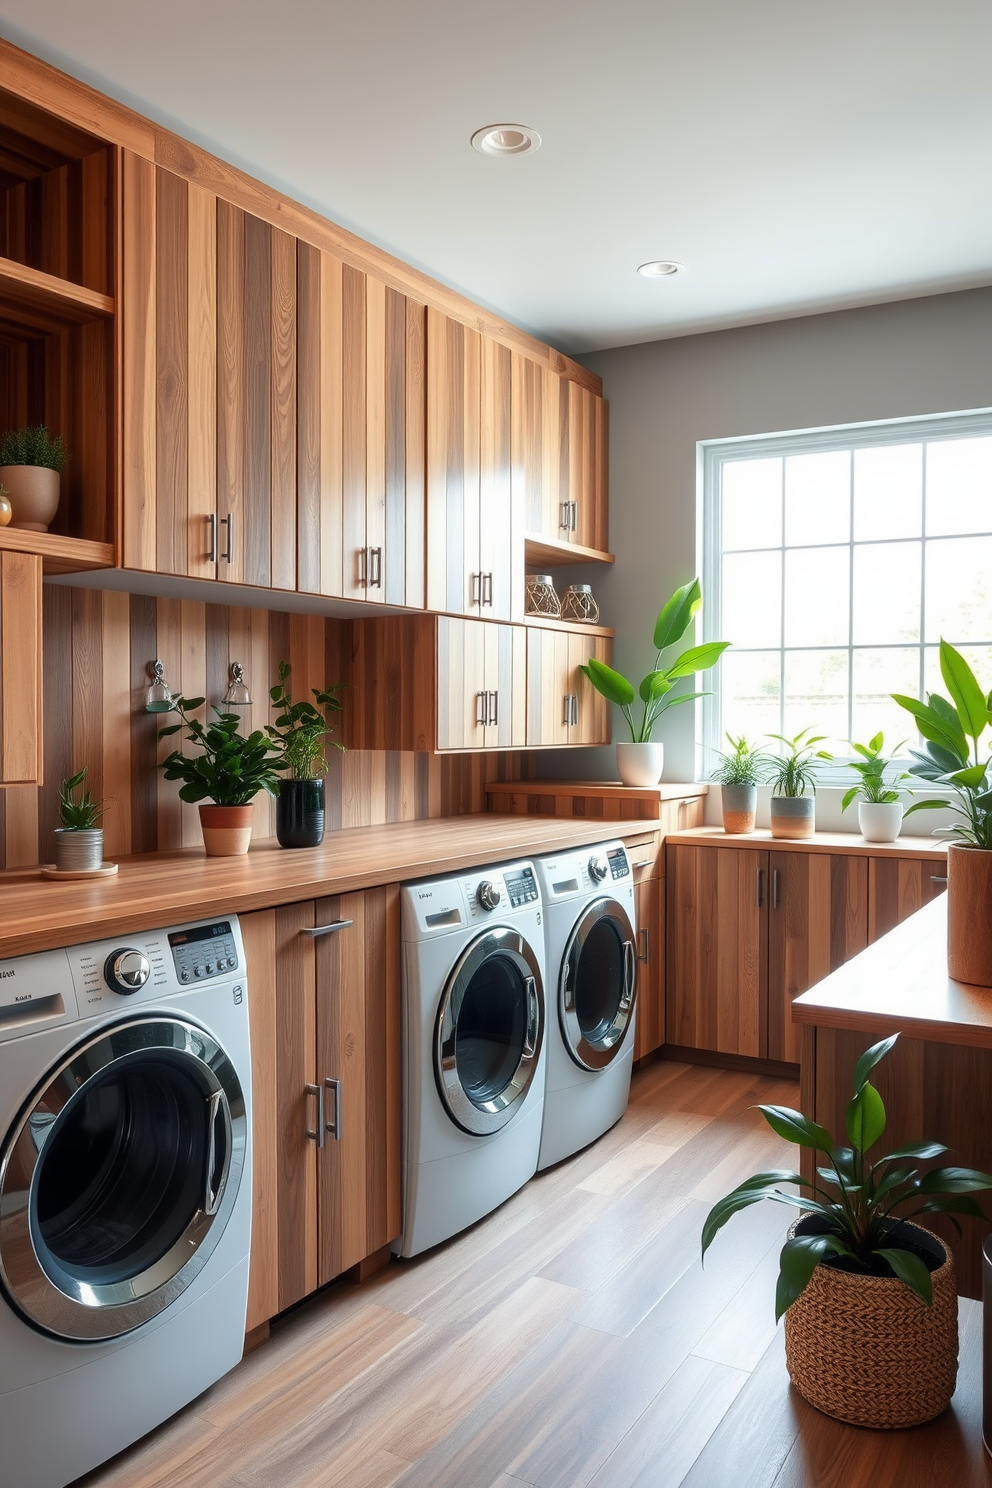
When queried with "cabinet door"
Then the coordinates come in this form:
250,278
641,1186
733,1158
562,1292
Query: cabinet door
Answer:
535,474
500,561
462,704
591,712
898,887
817,920
716,983
21,753
454,408
649,901
548,687
358,1061
587,457
505,686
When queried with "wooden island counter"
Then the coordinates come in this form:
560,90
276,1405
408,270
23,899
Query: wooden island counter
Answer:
936,1083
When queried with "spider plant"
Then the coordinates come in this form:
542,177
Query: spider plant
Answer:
743,765
871,767
947,758
794,772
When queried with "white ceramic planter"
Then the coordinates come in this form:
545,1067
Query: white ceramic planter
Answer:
880,821
640,764
34,495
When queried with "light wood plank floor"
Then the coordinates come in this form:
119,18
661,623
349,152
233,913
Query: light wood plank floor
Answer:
571,1339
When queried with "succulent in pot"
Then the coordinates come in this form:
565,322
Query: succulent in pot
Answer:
31,460
869,1298
79,840
301,734
739,774
879,806
228,772
640,762
793,777
956,756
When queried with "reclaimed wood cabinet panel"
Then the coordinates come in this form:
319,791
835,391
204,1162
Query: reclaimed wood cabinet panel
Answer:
649,905
562,705
481,684
817,920
21,755
898,887
588,455
534,454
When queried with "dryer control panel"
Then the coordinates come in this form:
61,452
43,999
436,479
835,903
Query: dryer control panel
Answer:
521,885
203,951
619,865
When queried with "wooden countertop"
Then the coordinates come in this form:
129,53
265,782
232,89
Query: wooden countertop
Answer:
820,842
901,983
664,791
157,889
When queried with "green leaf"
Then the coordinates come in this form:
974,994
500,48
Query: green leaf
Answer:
795,1127
865,1118
933,805
964,689
686,697
971,778
613,686
931,726
957,1204
870,1058
799,1259
654,685
910,1269
732,1204
954,1181
677,615
920,1151
849,797
697,659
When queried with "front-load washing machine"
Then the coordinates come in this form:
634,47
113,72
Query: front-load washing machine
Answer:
590,952
473,1047
125,1190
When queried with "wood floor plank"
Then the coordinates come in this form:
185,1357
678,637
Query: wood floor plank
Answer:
630,1294
746,1326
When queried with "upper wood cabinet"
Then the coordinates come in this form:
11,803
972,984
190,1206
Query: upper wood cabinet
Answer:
20,669
562,706
474,537
481,684
560,456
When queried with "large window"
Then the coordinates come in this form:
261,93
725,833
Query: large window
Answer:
834,562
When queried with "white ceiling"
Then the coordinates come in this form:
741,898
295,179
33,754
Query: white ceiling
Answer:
794,156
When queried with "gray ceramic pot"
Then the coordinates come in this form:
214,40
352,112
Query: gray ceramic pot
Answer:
739,802
793,816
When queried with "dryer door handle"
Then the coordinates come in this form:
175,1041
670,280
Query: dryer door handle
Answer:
211,1187
533,1018
629,973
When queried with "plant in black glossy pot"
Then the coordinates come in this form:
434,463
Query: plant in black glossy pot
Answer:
301,733
229,770
869,1298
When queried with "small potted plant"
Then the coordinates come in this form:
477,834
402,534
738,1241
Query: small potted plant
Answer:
879,807
739,774
300,733
869,1298
30,464
78,841
793,805
641,761
228,772
964,768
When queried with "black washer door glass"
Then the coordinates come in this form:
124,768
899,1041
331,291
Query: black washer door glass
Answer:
491,1029
599,980
123,1171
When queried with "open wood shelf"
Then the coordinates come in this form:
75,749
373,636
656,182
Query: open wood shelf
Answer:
59,555
42,302
570,627
548,552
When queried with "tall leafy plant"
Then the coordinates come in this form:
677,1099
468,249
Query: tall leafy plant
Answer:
229,768
794,772
657,689
858,1202
301,729
953,753
872,785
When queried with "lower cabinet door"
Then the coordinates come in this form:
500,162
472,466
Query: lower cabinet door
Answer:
649,901
898,887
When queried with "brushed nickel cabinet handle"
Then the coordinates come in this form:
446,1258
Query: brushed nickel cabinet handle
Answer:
775,888
314,930
482,708
573,720
212,549
644,936
228,552
564,515
333,1127
487,589
759,888
375,581
573,516
476,589
938,878
492,707
566,711
316,1134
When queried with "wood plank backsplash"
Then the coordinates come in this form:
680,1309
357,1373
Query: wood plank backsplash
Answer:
97,646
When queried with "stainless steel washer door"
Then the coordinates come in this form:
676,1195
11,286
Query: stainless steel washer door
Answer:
119,1177
596,985
489,1031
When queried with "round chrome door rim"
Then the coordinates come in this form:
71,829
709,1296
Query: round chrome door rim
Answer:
481,1120
78,1311
596,1054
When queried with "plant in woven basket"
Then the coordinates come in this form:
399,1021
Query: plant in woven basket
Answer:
860,1205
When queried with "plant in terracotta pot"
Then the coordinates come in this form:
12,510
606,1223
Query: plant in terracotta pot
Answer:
955,756
31,461
869,1298
301,733
228,771
739,774
879,806
641,761
79,840
793,776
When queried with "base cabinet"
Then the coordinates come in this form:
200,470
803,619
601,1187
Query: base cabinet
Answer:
21,750
649,906
323,984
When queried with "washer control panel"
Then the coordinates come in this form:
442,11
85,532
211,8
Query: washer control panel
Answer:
521,885
619,865
203,951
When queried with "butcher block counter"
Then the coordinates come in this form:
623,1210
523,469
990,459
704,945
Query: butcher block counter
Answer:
157,889
936,1083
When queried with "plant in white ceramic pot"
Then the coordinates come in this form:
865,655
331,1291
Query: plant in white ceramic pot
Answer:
641,761
956,755
879,806
793,803
739,774
228,771
31,461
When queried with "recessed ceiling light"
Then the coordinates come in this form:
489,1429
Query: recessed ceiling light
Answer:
661,268
506,139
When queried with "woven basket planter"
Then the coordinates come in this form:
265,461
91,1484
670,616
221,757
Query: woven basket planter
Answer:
866,1350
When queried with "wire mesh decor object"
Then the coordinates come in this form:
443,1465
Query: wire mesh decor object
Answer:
540,597
579,604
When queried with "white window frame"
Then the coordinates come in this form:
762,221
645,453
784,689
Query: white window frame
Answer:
711,456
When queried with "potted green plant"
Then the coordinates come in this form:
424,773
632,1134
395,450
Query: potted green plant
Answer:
739,774
793,775
79,840
301,733
869,1298
30,464
879,807
954,756
641,761
228,771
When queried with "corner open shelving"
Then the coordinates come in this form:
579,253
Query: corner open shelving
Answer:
550,552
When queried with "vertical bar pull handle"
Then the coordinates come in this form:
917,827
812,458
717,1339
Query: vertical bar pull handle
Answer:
759,888
212,549
775,888
566,713
644,936
333,1127
228,552
573,516
487,589
375,581
476,588
482,708
363,568
316,1133
575,709
564,515
492,707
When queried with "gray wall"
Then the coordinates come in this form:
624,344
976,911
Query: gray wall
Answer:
908,358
